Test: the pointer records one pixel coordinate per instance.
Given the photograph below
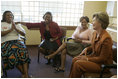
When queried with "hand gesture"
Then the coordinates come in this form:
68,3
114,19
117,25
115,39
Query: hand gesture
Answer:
13,25
83,52
82,58
53,39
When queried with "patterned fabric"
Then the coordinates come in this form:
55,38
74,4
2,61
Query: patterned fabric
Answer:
75,49
14,53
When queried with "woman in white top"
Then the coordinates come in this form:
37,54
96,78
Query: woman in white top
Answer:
82,39
14,51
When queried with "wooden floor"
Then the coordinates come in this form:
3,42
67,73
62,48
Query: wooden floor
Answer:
41,70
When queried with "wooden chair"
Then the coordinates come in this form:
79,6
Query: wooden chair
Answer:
62,39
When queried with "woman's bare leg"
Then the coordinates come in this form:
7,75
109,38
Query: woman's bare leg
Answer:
62,47
25,68
63,59
20,68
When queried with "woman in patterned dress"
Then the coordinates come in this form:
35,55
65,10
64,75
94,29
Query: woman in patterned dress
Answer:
14,51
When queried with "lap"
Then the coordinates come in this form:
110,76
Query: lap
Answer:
13,53
47,45
74,49
88,66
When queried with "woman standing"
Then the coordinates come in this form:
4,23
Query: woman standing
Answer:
14,51
101,48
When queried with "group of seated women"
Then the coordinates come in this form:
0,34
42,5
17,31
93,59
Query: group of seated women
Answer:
90,48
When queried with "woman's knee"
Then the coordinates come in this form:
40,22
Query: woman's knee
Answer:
74,59
41,49
64,44
63,52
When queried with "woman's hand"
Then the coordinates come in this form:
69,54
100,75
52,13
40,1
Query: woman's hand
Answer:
77,40
53,39
8,31
83,52
14,27
82,58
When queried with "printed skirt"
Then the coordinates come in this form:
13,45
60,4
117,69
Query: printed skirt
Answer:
14,53
75,49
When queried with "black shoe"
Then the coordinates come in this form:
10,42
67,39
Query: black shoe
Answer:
54,65
59,70
48,63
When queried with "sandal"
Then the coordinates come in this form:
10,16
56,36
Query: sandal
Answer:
48,56
59,70
30,76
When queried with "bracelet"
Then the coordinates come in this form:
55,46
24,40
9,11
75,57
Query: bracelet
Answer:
87,59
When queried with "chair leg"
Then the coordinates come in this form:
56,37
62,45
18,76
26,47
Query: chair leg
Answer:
38,56
102,72
5,73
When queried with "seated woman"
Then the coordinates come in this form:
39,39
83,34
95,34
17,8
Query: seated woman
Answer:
101,48
82,39
14,51
50,33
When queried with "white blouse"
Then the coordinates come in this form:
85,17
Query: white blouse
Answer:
14,35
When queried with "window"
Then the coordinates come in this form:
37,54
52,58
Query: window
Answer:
65,12
14,6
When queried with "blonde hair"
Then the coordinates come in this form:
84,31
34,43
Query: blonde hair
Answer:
103,18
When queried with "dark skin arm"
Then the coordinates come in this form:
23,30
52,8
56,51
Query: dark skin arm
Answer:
23,23
20,32
10,30
6,32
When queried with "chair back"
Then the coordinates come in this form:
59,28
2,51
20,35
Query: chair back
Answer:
23,38
64,30
114,49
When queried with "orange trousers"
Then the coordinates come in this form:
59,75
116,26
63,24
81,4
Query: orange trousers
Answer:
79,67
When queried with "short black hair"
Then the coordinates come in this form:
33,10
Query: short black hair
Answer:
84,17
48,13
4,14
